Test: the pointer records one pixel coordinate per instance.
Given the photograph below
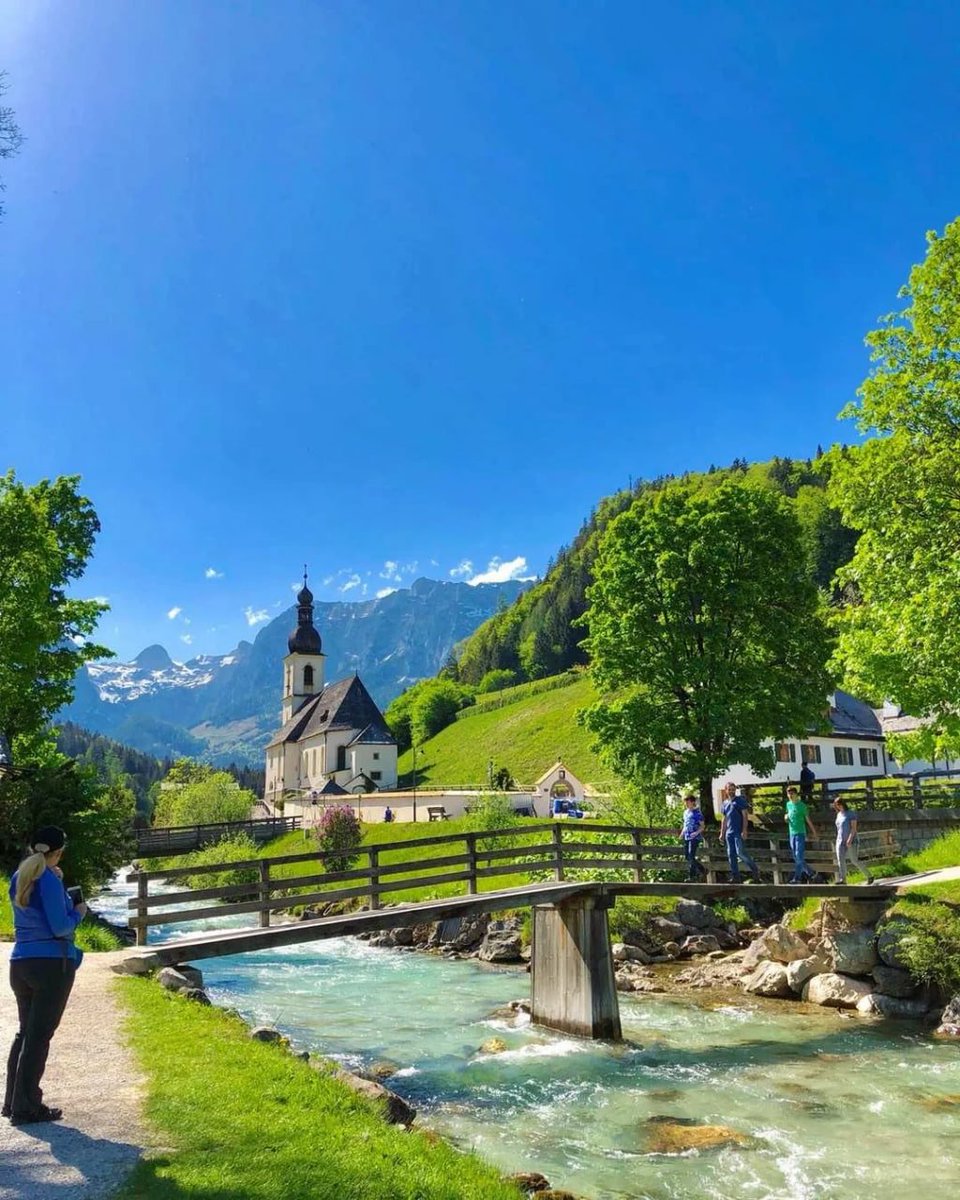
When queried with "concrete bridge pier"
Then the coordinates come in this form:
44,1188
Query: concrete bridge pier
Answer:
573,988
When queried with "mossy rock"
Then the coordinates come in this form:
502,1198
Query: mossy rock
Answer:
670,1135
493,1045
941,1103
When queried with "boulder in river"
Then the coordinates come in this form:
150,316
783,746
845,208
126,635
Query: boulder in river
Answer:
623,953
667,1135
137,964
528,1181
853,952
667,930
949,1026
769,979
266,1033
890,937
803,969
891,981
174,980
892,1006
395,1109
835,991
778,944
196,994
692,912
701,944
493,1045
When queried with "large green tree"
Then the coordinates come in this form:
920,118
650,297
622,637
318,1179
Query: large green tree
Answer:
47,533
706,633
900,637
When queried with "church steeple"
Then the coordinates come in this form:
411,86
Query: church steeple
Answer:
303,666
304,639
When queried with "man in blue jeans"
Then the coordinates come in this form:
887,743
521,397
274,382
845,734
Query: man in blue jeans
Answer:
732,828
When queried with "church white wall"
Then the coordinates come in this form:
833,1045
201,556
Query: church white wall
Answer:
379,762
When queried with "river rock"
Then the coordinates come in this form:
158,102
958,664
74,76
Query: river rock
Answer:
137,964
892,1006
802,969
196,994
949,1026
703,943
835,991
528,1181
692,912
769,979
500,946
891,981
853,952
395,1109
623,953
642,941
725,972
173,980
848,914
464,933
671,950
669,1136
667,930
265,1033
778,944
493,1045
889,943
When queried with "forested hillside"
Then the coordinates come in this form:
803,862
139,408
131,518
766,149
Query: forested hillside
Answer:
538,635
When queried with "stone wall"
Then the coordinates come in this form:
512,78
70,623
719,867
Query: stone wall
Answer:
913,828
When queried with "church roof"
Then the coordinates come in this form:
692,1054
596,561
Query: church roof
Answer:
375,734
345,704
332,788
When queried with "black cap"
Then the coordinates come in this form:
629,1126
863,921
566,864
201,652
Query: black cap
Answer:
48,838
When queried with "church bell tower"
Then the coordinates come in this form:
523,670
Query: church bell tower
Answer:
303,666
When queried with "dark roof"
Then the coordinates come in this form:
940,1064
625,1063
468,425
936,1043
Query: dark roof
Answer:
345,704
365,782
851,717
374,735
332,788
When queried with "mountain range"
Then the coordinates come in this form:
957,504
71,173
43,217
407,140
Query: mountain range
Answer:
223,708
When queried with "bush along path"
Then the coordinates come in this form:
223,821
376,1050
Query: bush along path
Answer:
92,1076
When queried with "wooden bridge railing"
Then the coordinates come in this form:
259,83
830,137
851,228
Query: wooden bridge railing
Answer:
925,789
558,850
160,841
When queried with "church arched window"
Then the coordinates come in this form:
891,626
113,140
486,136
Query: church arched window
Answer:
308,676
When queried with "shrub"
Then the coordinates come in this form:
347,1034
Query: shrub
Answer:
203,801
931,948
232,849
495,681
338,834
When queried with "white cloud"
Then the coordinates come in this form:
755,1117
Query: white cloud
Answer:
79,640
385,592
174,612
391,571
465,568
101,599
326,582
353,582
212,573
499,571
255,616
186,638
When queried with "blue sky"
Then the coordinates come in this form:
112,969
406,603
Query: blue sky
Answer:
417,281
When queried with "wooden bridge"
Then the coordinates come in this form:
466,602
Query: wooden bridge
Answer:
573,877
167,841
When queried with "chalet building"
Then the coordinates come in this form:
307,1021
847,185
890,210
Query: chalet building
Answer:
853,747
333,739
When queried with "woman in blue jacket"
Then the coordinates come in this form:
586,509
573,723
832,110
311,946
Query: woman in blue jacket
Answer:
42,967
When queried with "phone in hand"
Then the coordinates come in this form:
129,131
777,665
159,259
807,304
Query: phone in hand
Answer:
76,895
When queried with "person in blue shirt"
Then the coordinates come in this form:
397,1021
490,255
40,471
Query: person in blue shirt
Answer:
692,835
42,969
732,828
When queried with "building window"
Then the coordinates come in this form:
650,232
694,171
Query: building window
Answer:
868,757
809,753
308,676
341,758
375,775
843,756
786,752
376,755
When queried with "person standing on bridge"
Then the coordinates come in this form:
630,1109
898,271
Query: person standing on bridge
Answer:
847,841
692,835
732,829
798,822
42,968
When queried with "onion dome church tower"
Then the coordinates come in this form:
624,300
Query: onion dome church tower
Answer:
303,666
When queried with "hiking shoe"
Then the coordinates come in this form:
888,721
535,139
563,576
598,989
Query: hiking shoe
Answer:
43,1113
5,1111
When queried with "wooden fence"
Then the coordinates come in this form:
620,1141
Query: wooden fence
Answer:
164,841
882,792
572,851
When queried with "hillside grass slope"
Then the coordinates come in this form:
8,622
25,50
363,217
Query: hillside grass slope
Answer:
526,736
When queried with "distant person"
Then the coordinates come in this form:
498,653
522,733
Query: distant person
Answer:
798,822
807,780
43,963
388,814
692,835
847,841
732,829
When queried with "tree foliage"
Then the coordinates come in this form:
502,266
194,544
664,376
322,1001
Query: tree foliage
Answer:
424,709
47,533
11,139
901,490
338,833
706,633
198,795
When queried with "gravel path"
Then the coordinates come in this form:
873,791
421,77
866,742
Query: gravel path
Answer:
92,1077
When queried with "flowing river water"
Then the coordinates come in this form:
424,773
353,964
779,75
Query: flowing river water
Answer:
834,1107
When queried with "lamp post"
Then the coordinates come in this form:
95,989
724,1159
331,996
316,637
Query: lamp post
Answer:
414,782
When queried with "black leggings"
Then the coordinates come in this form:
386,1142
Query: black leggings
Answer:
41,986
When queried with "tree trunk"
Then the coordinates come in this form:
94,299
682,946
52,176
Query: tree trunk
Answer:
705,788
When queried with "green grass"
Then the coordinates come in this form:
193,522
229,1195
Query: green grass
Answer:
527,737
92,937
246,1121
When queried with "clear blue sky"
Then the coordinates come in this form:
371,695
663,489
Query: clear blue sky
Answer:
418,281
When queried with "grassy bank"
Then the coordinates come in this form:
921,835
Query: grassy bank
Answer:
91,936
247,1121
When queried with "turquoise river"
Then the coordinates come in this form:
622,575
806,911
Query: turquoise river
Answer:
834,1107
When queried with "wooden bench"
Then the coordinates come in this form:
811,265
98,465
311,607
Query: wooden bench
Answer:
436,812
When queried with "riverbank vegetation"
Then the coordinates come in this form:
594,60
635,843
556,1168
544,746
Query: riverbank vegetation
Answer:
252,1122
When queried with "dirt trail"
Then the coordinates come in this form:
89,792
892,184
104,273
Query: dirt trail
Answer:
92,1077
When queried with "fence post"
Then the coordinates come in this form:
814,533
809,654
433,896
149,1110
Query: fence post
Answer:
708,846
917,792
824,794
637,856
868,788
374,876
264,892
471,843
141,908
557,852
775,860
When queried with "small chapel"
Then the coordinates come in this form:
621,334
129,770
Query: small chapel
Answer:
333,739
